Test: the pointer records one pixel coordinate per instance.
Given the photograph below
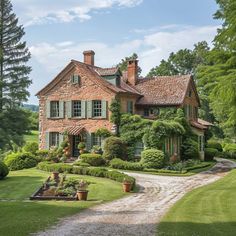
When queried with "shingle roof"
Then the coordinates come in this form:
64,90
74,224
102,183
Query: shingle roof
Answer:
163,90
198,125
106,71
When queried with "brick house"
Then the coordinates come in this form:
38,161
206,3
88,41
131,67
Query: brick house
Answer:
76,101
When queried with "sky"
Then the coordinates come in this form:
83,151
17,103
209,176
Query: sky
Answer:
60,30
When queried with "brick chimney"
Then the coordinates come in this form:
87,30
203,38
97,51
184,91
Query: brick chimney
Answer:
89,57
133,71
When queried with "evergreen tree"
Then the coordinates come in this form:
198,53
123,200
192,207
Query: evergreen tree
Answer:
14,55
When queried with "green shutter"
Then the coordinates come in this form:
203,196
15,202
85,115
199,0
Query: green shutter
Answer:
83,109
89,109
69,109
48,109
61,138
72,79
88,141
47,140
61,109
92,139
104,109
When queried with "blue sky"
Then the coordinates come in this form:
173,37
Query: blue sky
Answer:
60,30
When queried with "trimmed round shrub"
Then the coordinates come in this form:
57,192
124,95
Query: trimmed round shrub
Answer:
189,149
31,147
152,158
3,170
125,165
114,148
210,153
215,145
20,160
92,159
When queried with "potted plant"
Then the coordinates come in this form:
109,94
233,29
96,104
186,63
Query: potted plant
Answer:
82,192
55,175
81,147
97,149
127,185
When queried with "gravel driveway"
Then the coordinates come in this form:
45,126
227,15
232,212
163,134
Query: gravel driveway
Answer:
139,213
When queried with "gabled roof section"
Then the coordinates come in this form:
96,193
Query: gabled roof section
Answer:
164,90
92,72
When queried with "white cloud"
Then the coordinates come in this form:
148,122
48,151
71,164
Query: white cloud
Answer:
44,11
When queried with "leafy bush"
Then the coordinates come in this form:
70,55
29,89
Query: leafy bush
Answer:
114,148
125,165
152,158
42,154
230,147
3,170
210,153
215,145
31,147
81,163
98,172
92,159
20,160
224,155
189,149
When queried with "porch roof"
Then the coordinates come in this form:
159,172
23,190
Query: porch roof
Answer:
74,130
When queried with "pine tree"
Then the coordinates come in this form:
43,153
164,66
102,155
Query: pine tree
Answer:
14,55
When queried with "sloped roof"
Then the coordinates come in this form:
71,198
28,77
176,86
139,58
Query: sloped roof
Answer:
163,90
204,122
106,71
198,125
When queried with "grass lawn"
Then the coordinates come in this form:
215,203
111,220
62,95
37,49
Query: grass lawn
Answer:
33,137
19,216
209,210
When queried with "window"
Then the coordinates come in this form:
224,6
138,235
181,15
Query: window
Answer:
76,108
97,108
146,112
54,108
96,140
75,79
139,148
130,107
190,93
54,139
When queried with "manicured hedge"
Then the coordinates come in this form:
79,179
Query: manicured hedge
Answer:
3,170
20,160
199,166
152,158
92,159
210,153
125,165
215,145
165,171
95,171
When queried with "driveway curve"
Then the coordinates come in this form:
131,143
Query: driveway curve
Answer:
139,213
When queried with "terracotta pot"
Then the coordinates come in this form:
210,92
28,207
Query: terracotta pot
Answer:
55,175
127,187
82,195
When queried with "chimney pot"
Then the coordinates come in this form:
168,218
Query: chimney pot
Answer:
89,57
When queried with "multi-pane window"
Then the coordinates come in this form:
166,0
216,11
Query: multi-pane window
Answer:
54,109
97,108
146,112
76,108
130,107
54,139
96,140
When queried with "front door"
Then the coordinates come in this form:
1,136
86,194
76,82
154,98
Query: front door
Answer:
76,141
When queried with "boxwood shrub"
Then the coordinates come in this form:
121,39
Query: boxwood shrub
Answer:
31,147
92,159
210,153
93,171
152,158
215,145
114,148
125,165
20,160
3,170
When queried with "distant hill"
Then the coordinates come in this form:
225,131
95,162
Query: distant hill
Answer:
31,107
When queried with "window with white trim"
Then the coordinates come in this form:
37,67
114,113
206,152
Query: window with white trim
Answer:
54,109
97,108
76,108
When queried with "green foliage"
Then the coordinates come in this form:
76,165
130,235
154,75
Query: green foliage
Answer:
42,154
125,165
95,171
81,146
103,132
215,145
115,109
114,147
189,149
92,159
21,160
81,163
210,153
3,170
152,158
31,147
33,119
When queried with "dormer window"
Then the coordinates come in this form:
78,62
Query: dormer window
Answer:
75,79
